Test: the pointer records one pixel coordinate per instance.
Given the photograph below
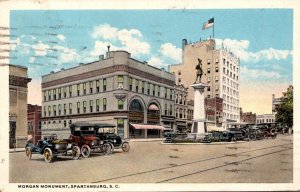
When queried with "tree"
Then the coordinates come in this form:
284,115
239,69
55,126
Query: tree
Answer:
285,110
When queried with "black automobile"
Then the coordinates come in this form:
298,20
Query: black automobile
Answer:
228,135
52,147
106,131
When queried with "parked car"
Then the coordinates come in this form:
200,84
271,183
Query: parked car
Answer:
106,132
268,130
53,147
85,135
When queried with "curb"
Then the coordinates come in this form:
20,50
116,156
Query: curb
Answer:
146,140
16,150
215,143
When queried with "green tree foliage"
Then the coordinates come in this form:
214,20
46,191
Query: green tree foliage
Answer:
285,110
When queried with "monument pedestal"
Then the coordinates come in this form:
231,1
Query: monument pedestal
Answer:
198,125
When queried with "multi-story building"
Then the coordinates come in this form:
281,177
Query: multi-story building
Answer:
136,97
221,73
18,81
181,108
34,113
247,117
276,102
214,110
265,118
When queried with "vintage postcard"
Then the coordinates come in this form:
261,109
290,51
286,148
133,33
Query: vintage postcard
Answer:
149,95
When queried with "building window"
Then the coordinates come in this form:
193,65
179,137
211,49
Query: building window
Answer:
120,104
148,88
45,111
97,105
224,61
143,86
166,109
208,79
217,69
84,106
171,94
84,88
59,109
208,88
91,105
65,92
104,104
104,84
78,107
54,110
153,89
171,110
78,89
98,86
158,91
179,72
179,80
70,108
208,70
217,60
65,123
176,98
120,81
59,93
45,95
130,83
216,78
136,85
65,109
166,92
70,91
54,94
91,87
217,87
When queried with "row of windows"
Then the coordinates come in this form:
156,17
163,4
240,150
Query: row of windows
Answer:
230,99
168,111
265,120
228,107
81,89
140,86
232,66
181,113
231,116
180,99
230,82
230,91
230,74
81,107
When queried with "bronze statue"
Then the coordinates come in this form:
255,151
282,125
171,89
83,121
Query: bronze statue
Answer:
199,70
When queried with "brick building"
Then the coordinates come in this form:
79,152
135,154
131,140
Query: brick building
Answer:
34,113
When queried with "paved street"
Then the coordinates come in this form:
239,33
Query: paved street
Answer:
265,161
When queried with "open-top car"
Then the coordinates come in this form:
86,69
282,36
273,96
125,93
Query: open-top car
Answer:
53,147
106,132
85,135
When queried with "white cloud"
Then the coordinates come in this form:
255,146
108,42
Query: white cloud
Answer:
61,37
171,51
31,59
40,49
240,48
67,54
259,73
157,62
129,40
15,43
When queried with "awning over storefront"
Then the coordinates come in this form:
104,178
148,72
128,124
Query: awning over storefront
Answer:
153,107
141,126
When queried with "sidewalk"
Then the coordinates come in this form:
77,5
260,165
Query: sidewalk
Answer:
14,150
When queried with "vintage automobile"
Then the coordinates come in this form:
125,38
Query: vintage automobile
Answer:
106,132
229,135
52,147
85,135
268,130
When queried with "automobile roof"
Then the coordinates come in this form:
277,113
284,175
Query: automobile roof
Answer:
103,125
82,124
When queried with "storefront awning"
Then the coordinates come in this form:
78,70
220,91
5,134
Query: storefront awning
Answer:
141,126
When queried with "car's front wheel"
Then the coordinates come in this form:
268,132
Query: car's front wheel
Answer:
107,149
125,147
48,156
28,153
75,152
85,151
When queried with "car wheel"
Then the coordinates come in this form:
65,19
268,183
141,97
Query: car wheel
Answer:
125,146
252,136
85,151
112,147
75,152
28,153
107,149
274,136
48,155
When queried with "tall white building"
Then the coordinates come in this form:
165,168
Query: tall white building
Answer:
221,70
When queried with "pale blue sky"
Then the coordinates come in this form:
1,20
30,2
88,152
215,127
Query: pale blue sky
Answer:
50,40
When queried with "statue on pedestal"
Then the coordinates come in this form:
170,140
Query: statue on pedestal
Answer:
199,71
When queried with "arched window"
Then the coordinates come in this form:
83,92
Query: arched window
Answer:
135,105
